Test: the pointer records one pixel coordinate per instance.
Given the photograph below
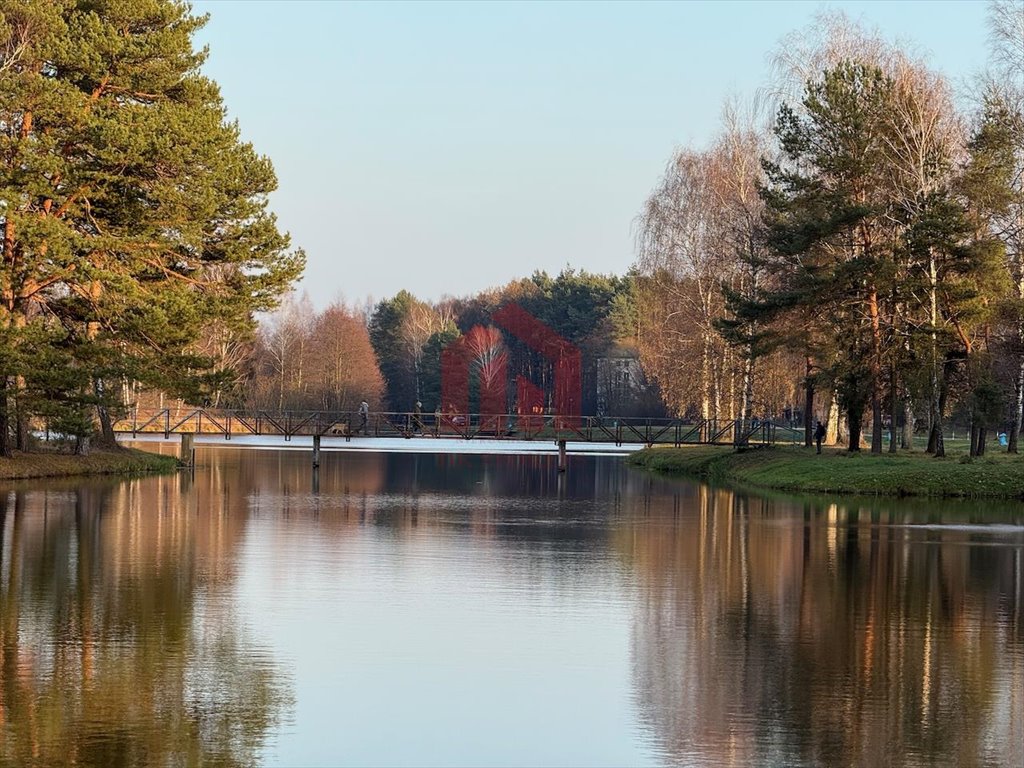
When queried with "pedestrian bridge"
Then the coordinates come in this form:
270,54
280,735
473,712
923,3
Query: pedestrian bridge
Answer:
612,430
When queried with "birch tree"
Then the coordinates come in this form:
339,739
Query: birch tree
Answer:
682,266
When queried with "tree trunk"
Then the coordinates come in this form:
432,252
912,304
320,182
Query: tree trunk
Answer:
854,416
705,385
808,410
808,404
5,422
728,371
18,322
11,320
877,437
107,436
748,386
876,373
982,439
907,441
936,445
747,403
935,442
716,385
1018,411
893,407
936,408
833,428
20,419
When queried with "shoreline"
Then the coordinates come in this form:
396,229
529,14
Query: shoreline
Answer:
798,469
98,462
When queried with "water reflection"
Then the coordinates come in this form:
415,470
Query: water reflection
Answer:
253,613
828,635
116,646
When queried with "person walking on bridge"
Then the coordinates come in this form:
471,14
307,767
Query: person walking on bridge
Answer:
364,417
417,418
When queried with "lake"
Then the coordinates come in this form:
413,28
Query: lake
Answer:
417,609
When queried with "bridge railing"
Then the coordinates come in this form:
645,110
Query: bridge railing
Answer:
605,429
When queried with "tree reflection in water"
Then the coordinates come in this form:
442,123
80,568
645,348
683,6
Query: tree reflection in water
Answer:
117,646
765,630
762,631
847,637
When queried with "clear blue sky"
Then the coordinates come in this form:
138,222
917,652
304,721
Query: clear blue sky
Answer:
450,147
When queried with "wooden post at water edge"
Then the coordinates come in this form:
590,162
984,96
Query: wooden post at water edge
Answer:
316,451
187,456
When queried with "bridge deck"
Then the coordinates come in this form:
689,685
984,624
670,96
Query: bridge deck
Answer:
598,429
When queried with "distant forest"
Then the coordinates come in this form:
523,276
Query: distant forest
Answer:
390,353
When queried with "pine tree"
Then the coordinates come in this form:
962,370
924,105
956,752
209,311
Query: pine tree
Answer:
133,213
990,186
825,227
396,365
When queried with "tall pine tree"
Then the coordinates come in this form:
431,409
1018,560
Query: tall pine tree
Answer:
825,217
133,214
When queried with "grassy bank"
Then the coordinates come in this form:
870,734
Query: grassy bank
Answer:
798,469
117,461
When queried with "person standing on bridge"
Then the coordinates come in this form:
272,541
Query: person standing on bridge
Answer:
819,434
417,417
364,417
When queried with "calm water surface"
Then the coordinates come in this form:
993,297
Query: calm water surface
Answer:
445,610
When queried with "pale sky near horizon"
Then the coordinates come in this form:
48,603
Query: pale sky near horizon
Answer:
450,147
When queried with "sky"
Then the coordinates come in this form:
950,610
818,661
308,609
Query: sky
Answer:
446,148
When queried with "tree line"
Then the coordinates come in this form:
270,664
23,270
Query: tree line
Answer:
389,353
870,238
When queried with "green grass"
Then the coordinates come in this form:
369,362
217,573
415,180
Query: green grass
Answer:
113,461
799,469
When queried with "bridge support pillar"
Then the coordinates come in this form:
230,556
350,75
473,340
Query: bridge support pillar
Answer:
561,456
187,455
316,451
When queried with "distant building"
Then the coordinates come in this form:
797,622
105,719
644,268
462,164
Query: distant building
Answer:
623,388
